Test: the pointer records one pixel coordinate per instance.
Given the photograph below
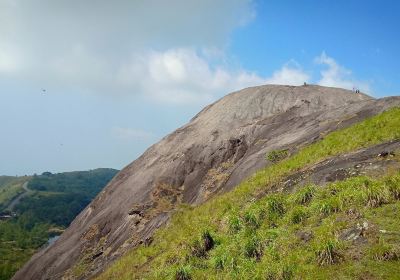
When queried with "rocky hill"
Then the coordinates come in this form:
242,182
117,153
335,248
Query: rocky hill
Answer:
220,147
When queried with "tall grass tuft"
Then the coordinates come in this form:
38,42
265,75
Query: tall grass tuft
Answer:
183,273
384,252
375,195
327,252
305,195
393,184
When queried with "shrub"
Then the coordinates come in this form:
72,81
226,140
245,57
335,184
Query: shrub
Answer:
277,155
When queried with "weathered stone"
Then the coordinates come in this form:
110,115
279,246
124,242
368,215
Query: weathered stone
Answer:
304,236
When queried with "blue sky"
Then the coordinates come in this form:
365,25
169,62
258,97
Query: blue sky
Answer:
119,76
361,35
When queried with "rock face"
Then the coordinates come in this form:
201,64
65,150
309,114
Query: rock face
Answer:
222,145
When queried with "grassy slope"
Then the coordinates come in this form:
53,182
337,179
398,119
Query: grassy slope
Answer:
240,225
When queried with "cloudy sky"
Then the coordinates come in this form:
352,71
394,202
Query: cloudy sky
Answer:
86,84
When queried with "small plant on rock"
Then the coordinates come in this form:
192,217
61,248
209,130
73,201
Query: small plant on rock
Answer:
277,155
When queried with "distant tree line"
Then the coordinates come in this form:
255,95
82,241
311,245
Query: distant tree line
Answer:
57,200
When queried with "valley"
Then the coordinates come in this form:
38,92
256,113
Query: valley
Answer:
36,209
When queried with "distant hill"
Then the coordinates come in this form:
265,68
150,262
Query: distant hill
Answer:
36,208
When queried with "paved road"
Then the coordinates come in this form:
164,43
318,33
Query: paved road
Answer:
17,199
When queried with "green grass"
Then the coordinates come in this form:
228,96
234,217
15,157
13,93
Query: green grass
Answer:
256,239
12,259
275,252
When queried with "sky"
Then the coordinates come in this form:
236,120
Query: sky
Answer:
87,84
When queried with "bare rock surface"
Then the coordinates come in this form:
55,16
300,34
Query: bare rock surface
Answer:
373,161
222,145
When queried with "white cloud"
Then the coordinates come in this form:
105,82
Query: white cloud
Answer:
182,76
338,76
103,47
290,74
83,44
131,134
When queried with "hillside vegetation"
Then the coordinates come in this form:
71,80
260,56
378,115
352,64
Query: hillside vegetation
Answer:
55,201
346,230
10,187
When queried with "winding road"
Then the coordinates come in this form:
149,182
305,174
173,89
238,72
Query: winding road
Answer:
17,199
